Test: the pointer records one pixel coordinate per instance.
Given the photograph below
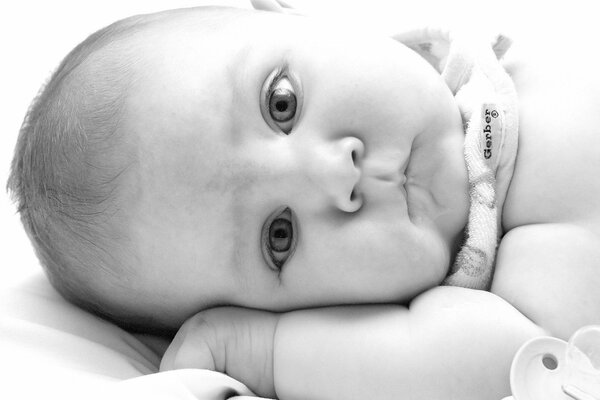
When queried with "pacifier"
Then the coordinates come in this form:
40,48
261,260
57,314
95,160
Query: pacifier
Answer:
547,368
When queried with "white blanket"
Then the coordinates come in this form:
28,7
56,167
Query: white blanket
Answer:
54,350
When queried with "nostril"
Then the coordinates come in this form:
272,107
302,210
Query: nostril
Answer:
355,147
356,201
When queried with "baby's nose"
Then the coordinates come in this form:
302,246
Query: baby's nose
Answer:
337,169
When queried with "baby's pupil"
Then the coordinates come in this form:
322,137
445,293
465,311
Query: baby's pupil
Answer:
280,235
281,105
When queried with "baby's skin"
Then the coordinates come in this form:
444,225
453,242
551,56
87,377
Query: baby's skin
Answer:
363,194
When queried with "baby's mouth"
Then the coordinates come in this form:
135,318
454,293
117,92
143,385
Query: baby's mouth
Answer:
403,172
388,169
391,174
403,188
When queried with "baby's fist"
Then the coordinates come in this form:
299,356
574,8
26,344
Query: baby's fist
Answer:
231,340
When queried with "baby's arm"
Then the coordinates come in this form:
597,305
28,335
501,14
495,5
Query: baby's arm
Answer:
424,351
451,343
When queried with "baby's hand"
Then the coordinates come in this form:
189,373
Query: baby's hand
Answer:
231,340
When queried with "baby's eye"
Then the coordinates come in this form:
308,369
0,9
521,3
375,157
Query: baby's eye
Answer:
278,238
281,100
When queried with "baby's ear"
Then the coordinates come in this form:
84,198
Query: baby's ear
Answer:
433,44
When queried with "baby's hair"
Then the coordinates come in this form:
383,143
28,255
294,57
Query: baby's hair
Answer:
68,163
72,157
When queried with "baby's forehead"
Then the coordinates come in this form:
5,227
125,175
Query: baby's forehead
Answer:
208,34
208,20
197,59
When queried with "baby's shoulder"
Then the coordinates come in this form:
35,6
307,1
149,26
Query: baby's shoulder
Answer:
558,160
550,273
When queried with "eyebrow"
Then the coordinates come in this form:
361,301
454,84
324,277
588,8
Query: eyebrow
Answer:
238,73
241,233
237,211
244,237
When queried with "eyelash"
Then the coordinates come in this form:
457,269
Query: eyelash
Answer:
279,74
270,255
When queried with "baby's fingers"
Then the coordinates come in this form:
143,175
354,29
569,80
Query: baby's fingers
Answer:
191,347
232,340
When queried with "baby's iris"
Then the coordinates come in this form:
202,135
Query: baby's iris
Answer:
282,104
280,235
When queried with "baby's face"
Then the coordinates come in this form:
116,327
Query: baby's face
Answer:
282,166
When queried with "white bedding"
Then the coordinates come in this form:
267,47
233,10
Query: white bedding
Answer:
52,349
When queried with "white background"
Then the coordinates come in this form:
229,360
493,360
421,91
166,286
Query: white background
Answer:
36,34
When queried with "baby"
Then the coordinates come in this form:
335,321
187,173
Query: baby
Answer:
199,158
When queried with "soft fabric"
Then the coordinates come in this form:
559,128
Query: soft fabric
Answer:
487,101
54,350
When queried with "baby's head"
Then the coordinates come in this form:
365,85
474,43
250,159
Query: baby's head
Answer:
213,156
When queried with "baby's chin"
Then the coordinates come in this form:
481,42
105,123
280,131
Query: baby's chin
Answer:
436,176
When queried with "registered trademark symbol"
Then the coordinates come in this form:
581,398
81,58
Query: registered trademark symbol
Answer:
494,114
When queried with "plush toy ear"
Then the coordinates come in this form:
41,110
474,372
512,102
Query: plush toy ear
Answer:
433,44
279,6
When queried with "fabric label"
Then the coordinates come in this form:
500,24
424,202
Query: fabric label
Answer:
491,134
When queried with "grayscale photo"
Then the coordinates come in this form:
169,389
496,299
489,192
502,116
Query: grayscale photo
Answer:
300,200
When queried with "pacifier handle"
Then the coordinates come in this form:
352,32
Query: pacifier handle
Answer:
577,393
